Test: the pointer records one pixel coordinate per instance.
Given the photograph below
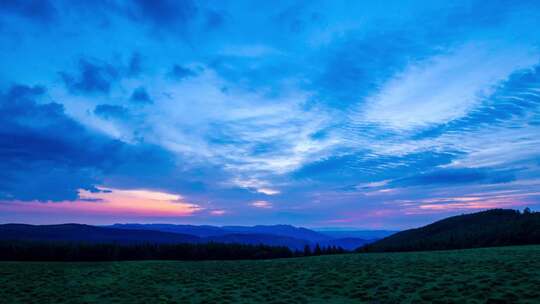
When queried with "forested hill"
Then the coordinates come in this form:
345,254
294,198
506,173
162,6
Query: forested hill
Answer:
497,227
89,234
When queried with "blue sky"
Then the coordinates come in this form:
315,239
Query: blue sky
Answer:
312,113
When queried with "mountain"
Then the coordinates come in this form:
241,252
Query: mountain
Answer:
345,243
137,233
496,227
200,231
274,235
255,239
213,231
361,234
281,230
277,235
91,234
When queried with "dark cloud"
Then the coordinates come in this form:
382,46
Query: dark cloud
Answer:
42,11
355,67
108,111
44,154
92,77
214,20
179,72
47,156
298,16
164,14
459,176
363,167
135,65
140,96
329,168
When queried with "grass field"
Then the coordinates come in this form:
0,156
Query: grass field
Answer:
490,275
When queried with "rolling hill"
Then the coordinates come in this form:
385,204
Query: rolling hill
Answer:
90,234
496,227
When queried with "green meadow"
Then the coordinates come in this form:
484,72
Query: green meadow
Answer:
488,275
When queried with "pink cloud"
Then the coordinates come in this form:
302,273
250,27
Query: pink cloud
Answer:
261,204
110,204
463,203
218,212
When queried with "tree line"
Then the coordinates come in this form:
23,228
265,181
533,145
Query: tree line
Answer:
80,251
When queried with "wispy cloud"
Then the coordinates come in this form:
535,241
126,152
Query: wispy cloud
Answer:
445,87
262,204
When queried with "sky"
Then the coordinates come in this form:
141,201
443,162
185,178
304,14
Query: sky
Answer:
355,114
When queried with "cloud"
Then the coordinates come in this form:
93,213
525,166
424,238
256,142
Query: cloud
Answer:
48,156
92,77
40,142
512,103
443,88
470,201
268,191
458,176
225,129
214,20
357,64
167,15
107,207
218,212
135,65
108,111
364,168
140,96
262,204
179,72
255,185
42,11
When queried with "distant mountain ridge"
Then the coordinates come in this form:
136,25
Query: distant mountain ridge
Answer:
362,234
199,231
281,230
278,235
213,231
496,227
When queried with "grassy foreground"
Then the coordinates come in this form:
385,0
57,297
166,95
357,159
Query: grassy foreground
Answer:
489,275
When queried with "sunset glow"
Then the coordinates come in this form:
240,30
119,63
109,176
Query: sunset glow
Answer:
108,204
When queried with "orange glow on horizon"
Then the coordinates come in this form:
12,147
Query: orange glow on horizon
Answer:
114,202
137,202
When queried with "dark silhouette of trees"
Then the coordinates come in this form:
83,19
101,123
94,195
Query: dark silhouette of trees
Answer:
72,251
321,250
317,250
80,251
307,250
